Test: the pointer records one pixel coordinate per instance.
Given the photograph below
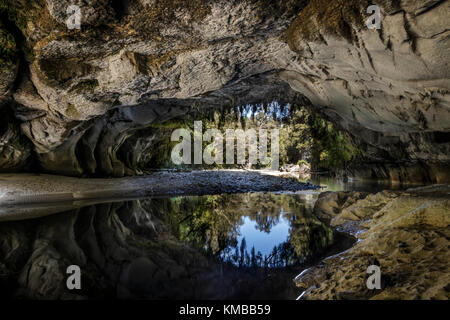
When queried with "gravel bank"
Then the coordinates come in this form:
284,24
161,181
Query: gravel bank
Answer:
22,190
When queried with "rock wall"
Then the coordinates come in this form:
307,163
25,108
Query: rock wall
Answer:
389,87
81,94
15,149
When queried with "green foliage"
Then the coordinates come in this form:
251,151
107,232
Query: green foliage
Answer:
295,140
161,149
331,148
305,137
302,161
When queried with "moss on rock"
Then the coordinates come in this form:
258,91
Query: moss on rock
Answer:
63,70
31,19
333,17
152,18
21,12
8,48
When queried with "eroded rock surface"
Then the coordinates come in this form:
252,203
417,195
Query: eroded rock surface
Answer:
405,233
15,149
85,92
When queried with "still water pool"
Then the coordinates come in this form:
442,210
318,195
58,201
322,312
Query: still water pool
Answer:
269,230
263,241
239,246
228,246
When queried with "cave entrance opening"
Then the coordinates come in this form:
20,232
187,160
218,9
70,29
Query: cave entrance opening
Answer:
307,141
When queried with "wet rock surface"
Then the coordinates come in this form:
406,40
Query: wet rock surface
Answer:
422,172
405,233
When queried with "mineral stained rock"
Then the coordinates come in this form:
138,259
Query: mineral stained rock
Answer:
406,234
81,94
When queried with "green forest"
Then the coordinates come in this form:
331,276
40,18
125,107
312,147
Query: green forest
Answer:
305,136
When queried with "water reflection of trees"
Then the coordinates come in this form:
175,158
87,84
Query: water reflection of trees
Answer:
212,224
282,255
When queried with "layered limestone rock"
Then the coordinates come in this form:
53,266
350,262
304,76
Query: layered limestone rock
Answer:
392,82
85,92
405,233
